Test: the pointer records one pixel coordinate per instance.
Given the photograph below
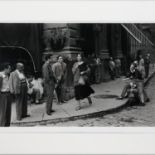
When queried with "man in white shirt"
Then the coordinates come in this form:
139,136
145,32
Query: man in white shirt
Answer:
5,97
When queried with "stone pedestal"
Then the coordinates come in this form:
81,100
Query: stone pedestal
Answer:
116,41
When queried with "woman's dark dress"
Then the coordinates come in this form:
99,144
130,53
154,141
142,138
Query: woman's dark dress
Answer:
83,91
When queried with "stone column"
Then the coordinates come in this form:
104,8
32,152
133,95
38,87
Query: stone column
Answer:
116,41
101,42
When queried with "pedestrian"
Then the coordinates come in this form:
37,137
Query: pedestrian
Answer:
133,67
140,59
91,61
112,68
147,65
19,88
59,70
49,83
36,88
139,79
98,70
81,86
5,96
118,67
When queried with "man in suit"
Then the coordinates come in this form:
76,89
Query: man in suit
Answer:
49,82
112,68
19,87
59,70
147,65
5,96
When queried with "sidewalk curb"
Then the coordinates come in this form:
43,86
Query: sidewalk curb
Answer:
73,118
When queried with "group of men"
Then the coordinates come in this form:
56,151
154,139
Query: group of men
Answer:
14,87
54,74
114,68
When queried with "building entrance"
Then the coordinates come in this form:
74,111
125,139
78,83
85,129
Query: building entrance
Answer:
14,54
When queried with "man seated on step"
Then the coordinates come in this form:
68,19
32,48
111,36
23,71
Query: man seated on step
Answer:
133,67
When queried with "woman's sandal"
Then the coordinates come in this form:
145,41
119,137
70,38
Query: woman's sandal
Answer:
77,108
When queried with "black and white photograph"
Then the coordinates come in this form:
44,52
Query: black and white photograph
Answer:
77,74
77,77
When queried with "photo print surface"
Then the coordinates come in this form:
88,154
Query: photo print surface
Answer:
83,74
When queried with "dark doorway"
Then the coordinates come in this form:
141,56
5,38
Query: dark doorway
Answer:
17,54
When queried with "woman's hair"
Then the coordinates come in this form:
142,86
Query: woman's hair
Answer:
82,56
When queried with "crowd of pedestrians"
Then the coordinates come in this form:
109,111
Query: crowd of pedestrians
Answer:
15,86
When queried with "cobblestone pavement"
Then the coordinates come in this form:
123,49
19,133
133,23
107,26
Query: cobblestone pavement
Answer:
130,116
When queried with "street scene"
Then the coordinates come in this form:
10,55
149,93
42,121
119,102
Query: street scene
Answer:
77,74
128,117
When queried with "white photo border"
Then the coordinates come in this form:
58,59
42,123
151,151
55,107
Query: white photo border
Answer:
77,140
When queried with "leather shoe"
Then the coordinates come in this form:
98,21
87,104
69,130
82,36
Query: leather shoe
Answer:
26,116
52,111
48,113
147,100
142,104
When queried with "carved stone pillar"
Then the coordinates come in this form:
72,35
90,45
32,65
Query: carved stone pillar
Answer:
116,41
101,48
103,42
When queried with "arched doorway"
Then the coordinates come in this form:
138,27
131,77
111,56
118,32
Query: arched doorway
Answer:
14,54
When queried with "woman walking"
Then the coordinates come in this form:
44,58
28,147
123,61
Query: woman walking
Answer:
81,86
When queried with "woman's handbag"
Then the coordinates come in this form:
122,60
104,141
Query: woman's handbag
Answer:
81,81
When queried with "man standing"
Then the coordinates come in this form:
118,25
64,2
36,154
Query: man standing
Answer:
5,97
59,70
118,67
49,83
19,87
112,68
147,65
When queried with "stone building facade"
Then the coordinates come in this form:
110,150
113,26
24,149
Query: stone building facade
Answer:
31,42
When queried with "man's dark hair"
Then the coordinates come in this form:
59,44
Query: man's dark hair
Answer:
59,56
48,56
6,65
